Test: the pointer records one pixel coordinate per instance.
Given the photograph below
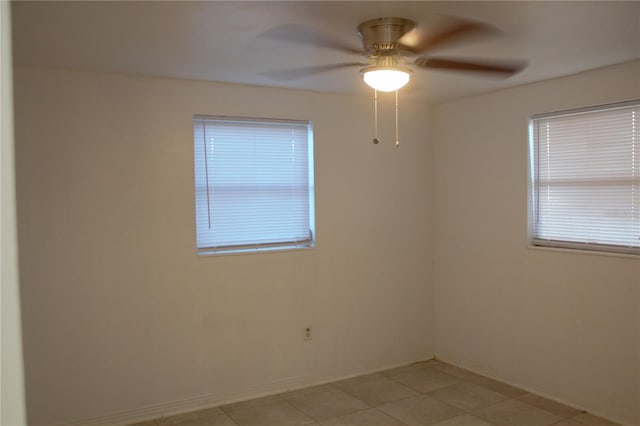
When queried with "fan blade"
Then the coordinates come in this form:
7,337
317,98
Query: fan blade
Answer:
298,34
417,41
295,73
503,67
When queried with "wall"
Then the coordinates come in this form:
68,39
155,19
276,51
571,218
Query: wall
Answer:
123,320
564,324
12,404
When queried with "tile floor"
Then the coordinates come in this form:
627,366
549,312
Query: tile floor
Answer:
420,394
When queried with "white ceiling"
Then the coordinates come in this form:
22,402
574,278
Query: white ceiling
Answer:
225,41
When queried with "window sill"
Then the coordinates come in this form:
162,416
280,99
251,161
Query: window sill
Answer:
632,256
250,251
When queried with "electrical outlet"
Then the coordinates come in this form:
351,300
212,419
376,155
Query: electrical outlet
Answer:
307,333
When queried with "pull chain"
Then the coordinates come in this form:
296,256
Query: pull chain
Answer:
397,140
375,117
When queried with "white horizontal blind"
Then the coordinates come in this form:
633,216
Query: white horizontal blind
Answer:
254,184
586,172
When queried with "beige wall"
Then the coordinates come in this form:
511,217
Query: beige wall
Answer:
120,315
12,404
124,321
564,324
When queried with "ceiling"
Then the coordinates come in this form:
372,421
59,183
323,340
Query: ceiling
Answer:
226,41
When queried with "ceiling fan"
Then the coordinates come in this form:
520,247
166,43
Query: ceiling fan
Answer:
387,44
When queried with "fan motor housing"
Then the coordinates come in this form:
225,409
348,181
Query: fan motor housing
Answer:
382,34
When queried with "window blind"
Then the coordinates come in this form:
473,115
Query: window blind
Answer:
586,178
254,184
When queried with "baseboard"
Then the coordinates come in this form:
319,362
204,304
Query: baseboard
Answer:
184,405
542,394
171,408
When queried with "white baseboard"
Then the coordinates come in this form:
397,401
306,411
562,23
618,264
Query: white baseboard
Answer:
171,408
184,405
537,392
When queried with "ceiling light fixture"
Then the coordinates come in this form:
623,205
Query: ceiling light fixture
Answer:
386,79
387,74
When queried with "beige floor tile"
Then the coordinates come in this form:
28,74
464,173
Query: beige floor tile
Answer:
461,373
420,410
464,420
513,412
591,420
219,420
279,413
378,392
250,403
215,420
467,396
425,380
497,386
199,417
568,422
307,391
370,417
549,405
324,405
358,379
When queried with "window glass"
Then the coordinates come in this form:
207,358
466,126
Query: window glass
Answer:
254,184
585,172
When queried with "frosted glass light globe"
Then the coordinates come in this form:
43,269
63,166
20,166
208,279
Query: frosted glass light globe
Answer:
386,79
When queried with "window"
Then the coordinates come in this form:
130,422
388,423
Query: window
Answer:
254,184
585,174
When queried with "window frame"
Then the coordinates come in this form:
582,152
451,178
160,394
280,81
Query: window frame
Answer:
256,247
564,245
